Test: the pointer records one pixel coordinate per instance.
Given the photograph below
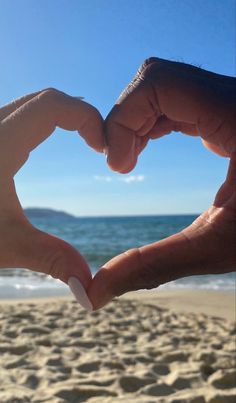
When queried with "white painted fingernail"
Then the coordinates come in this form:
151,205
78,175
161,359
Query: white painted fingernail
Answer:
80,294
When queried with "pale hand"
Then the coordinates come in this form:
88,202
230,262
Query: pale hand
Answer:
24,124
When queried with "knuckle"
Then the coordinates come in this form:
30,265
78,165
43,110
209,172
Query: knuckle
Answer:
143,275
147,276
50,94
58,260
150,63
150,60
154,69
94,116
149,68
132,253
49,90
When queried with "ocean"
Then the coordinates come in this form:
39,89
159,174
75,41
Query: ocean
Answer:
99,239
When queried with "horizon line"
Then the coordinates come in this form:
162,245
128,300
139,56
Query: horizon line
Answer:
111,215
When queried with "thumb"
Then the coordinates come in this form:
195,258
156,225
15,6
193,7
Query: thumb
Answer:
57,258
142,268
24,246
207,246
41,252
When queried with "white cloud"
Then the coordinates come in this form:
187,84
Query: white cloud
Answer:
127,179
132,178
104,178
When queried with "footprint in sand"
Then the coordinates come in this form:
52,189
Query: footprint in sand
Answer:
131,384
160,369
158,390
81,394
54,361
31,381
38,330
89,366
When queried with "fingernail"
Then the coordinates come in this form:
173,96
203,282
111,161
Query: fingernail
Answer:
80,294
79,97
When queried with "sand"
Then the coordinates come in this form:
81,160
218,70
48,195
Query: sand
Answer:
144,347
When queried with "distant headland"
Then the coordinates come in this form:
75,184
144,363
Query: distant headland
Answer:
36,212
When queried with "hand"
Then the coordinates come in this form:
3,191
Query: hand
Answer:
24,124
163,97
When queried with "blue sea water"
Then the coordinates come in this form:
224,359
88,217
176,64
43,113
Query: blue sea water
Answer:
99,239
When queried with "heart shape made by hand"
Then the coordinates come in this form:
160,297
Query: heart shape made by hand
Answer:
163,97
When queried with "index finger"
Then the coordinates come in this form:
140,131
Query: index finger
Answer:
15,104
126,126
169,96
35,120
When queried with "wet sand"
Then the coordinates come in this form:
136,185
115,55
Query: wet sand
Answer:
165,346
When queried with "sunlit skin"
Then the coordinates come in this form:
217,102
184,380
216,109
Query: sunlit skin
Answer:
25,124
164,97
169,96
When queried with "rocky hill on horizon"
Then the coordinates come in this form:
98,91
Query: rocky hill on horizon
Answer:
37,212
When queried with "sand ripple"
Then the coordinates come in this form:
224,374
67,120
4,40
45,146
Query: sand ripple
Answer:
128,352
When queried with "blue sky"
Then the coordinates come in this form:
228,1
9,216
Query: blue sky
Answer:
93,48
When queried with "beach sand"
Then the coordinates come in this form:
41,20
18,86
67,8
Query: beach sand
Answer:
157,346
